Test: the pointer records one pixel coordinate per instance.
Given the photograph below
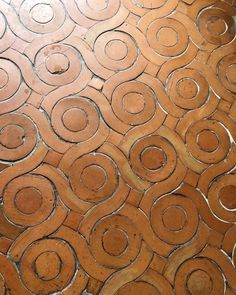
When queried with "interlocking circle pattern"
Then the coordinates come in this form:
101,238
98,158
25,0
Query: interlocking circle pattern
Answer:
117,147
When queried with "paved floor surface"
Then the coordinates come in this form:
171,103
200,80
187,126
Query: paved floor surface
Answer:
117,147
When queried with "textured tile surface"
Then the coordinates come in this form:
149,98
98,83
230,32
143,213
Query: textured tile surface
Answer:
117,147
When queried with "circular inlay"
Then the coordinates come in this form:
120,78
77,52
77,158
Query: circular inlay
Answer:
97,4
3,78
133,103
153,158
174,218
28,200
167,37
47,265
199,283
116,49
57,63
228,196
231,73
42,13
93,177
216,25
75,119
114,241
187,88
12,136
138,288
208,141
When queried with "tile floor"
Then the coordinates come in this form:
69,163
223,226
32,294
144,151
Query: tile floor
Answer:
117,147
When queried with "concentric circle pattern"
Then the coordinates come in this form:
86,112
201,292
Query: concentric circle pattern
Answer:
42,17
216,26
133,103
113,241
47,265
93,177
58,63
117,147
174,218
18,136
28,200
167,37
75,119
153,158
115,50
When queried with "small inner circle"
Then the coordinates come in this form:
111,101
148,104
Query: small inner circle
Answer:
174,218
75,119
208,140
12,136
167,37
3,78
93,177
57,63
42,13
227,196
133,103
153,158
97,4
231,73
216,25
116,49
187,88
28,200
115,241
48,265
199,283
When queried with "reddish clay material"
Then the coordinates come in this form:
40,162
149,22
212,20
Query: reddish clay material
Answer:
117,147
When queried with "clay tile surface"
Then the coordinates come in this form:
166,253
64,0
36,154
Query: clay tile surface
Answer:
117,147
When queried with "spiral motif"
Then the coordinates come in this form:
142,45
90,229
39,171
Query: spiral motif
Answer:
98,9
28,200
133,103
58,63
18,137
153,158
174,219
167,36
42,16
115,50
188,89
199,276
88,168
227,72
222,198
10,79
75,119
47,266
208,141
114,241
216,26
117,147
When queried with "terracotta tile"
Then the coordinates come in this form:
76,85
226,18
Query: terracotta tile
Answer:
191,178
73,220
117,147
224,106
170,121
53,158
152,69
